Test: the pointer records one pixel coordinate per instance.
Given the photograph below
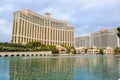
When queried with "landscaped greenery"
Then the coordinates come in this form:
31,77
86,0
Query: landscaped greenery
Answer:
10,47
37,46
32,46
69,49
117,50
101,52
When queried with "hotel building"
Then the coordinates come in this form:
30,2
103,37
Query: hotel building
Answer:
101,39
108,51
82,41
105,38
29,27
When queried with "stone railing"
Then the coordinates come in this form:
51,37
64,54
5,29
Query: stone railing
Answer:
41,53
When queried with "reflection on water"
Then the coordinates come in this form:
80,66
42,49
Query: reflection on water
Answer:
97,68
63,68
4,68
42,69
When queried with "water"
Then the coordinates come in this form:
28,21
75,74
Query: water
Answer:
60,68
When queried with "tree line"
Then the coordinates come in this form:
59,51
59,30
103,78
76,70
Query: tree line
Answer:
31,46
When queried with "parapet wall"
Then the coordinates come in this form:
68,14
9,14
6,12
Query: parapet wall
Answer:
41,53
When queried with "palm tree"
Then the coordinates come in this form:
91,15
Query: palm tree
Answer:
118,34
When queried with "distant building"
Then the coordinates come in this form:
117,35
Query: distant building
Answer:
80,50
93,50
104,38
108,51
82,41
29,27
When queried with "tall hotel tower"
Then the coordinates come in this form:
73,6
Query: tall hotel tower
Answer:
105,38
29,27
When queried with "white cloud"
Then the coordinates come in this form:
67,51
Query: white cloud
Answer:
82,30
82,34
58,14
83,14
6,7
90,4
5,30
5,26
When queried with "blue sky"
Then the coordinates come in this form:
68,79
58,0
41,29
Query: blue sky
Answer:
86,16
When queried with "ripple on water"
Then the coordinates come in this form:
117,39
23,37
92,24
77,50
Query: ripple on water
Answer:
60,68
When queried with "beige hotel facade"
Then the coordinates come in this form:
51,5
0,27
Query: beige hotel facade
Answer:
29,26
101,39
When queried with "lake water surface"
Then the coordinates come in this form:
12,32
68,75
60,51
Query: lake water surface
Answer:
60,68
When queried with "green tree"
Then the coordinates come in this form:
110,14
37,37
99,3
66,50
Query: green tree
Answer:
118,32
68,50
101,51
117,50
86,50
33,44
73,50
55,51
